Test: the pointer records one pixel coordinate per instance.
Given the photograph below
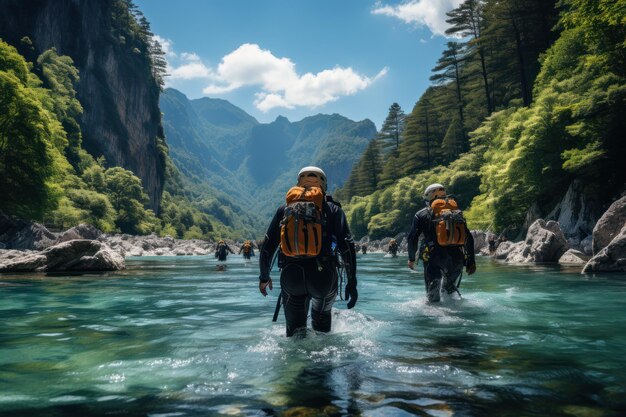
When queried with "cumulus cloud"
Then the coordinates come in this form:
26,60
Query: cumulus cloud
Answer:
278,82
429,13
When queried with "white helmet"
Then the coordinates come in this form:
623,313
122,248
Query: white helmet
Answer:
313,172
433,191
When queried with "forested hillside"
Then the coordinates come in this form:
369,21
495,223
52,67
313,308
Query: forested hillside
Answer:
530,97
65,142
247,166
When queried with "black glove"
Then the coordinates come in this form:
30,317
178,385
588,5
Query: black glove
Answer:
351,294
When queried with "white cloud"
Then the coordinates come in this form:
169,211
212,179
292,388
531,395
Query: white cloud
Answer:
190,71
166,45
429,13
277,79
281,85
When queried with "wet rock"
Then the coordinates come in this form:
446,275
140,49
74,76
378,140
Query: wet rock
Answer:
609,225
82,255
573,257
612,258
544,243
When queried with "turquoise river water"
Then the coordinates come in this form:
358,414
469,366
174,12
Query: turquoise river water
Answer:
172,336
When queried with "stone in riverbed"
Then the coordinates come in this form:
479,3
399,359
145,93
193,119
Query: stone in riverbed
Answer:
573,257
609,225
612,258
73,255
83,255
544,243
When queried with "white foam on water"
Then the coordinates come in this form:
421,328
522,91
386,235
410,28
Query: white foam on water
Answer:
50,334
67,399
111,398
15,398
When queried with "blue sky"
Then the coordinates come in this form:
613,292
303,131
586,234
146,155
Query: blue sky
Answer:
300,58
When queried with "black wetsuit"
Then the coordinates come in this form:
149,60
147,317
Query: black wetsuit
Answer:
441,261
393,249
310,281
221,252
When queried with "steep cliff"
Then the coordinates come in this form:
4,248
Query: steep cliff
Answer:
119,94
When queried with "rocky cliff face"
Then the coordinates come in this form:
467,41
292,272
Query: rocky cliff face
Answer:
121,118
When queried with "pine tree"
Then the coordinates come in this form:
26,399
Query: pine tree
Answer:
468,21
392,128
368,170
449,69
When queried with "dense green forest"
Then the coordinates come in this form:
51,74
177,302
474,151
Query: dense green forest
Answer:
46,174
528,97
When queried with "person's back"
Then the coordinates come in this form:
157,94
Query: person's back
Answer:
447,245
304,230
393,248
221,251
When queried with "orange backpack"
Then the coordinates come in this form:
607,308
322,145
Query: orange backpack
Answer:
301,226
449,222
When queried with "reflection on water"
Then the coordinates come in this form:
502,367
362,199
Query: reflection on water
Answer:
176,337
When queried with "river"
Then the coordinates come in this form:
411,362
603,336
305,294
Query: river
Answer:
172,336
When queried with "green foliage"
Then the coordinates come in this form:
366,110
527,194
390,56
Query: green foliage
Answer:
27,140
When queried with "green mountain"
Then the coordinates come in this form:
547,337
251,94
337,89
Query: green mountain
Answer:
223,151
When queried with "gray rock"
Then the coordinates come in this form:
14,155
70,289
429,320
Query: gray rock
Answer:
83,255
586,245
609,225
20,234
573,257
544,243
82,231
480,240
505,248
612,258
21,261
575,213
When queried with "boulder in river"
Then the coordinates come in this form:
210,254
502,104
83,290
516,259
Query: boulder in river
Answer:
82,231
573,257
609,225
612,258
544,243
73,255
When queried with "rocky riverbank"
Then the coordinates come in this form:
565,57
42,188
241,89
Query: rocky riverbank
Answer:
28,246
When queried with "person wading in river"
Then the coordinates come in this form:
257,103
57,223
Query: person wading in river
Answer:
447,245
304,229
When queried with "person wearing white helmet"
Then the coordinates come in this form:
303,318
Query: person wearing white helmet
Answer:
304,230
442,259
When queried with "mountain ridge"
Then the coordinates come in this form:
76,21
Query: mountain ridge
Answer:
229,151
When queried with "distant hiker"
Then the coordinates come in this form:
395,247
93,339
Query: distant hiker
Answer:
246,249
393,248
492,244
357,248
364,248
447,245
305,229
221,251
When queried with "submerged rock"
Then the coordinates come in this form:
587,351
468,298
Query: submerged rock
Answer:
612,258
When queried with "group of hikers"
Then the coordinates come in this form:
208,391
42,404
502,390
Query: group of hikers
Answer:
311,237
